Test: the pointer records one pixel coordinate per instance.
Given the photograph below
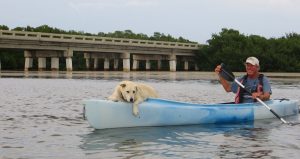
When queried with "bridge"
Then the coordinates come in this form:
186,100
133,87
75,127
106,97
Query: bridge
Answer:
116,52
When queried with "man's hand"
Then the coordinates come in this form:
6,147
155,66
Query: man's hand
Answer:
218,69
257,95
224,83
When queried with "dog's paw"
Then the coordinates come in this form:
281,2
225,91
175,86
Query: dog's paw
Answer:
135,112
113,99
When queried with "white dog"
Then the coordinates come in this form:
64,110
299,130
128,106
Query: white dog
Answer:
132,92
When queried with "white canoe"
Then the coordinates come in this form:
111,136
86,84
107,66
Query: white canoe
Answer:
102,114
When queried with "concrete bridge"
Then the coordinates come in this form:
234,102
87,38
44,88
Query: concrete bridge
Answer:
116,50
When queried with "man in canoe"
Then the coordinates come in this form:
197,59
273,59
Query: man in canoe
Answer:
256,83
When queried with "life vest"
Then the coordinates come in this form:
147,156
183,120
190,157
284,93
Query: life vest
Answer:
239,95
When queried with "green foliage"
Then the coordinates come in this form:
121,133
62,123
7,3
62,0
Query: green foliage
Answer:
228,46
117,34
4,27
12,60
78,61
232,48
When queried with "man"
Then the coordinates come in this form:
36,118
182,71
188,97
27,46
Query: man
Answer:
257,83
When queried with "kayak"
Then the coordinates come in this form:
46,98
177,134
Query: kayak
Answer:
103,114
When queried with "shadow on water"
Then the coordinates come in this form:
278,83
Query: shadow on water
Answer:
171,140
250,140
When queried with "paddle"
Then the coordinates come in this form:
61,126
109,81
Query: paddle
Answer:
229,76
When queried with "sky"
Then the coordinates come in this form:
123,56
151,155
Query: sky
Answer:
195,20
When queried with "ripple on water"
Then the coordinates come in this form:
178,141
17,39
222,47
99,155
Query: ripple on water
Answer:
45,116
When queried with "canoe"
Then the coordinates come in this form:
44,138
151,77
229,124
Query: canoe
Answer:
103,114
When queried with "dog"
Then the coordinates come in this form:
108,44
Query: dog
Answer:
136,93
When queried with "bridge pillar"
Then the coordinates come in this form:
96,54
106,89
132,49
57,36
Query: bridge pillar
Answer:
148,65
87,57
28,63
87,63
28,60
96,63
126,61
69,63
158,64
106,64
41,63
126,65
54,63
135,65
186,65
69,54
172,62
116,64
196,67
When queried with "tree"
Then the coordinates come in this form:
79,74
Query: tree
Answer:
4,27
232,48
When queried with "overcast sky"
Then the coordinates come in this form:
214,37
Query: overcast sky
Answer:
195,20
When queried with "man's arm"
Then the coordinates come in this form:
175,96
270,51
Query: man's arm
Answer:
226,85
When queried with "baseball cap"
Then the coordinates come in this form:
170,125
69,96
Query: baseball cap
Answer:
252,60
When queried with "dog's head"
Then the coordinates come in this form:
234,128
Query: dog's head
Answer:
128,90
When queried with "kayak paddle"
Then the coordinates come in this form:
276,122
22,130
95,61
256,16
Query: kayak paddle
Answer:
229,76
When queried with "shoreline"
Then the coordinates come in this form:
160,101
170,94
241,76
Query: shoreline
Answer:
178,75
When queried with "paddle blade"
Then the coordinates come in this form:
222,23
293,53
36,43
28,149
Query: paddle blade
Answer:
293,124
226,73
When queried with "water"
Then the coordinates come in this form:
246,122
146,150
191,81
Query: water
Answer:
41,117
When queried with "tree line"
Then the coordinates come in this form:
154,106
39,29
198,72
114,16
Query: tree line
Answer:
232,48
228,46
157,36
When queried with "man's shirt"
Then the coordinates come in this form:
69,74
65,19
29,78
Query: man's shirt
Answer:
251,84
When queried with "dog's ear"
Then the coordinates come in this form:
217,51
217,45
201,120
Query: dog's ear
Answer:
138,89
123,85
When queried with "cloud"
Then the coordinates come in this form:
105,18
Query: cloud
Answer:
113,4
271,4
142,3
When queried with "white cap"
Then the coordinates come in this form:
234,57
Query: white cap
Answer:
252,60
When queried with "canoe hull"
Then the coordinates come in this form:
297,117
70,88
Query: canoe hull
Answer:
102,114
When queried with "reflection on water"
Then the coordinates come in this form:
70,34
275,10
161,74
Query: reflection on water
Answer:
276,78
41,117
160,142
112,75
208,141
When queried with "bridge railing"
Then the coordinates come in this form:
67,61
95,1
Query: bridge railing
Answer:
93,39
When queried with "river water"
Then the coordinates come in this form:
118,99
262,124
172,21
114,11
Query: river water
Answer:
41,117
